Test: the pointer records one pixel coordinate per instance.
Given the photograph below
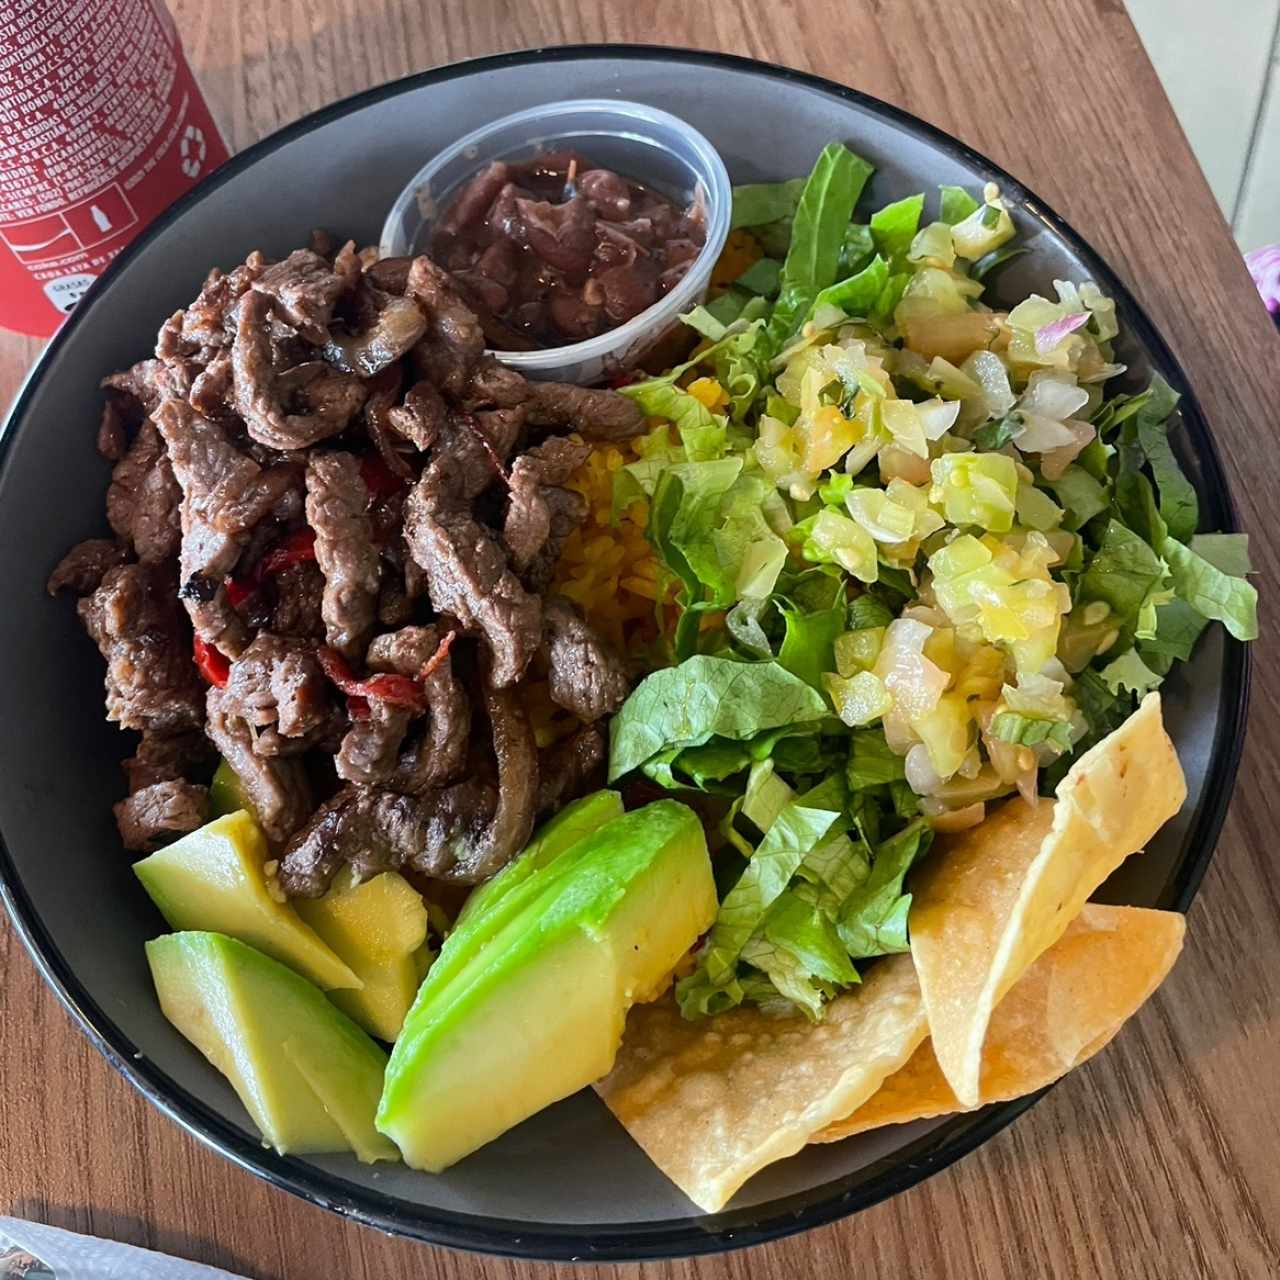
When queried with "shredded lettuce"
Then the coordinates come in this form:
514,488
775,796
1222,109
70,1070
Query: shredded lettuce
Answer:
808,645
1217,595
1124,572
955,204
817,236
871,762
762,277
1128,671
757,203
873,921
702,698
894,227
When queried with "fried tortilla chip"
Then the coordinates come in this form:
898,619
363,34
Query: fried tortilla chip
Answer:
1059,1014
996,897
713,1102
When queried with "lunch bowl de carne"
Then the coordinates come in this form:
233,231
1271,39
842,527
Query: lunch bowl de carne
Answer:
629,819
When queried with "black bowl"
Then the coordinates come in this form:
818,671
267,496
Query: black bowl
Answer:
569,1183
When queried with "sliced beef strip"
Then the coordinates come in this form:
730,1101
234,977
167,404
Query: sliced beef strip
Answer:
225,494
384,396
568,510
467,572
277,683
367,828
394,606
370,749
332,399
493,385
298,591
527,526
209,322
305,289
166,757
143,498
212,388
397,326
422,416
439,753
586,677
477,858
390,274
465,833
148,382
82,569
148,818
112,440
337,502
276,789
134,619
594,412
454,339
566,769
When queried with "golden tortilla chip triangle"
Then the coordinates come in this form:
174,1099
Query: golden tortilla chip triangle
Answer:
713,1102
992,900
1065,1008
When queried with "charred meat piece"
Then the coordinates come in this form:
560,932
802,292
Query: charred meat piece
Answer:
143,498
305,289
383,399
156,814
135,621
422,416
225,494
455,339
276,789
329,399
398,325
165,757
563,235
467,572
593,412
391,275
586,678
337,502
82,569
276,683
528,520
567,769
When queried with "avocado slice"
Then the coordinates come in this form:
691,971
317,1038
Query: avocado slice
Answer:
534,1011
553,838
226,795
308,1076
215,879
378,928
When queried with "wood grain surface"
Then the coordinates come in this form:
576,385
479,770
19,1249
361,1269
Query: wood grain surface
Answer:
1157,1159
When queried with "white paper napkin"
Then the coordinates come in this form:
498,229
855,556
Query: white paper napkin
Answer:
32,1251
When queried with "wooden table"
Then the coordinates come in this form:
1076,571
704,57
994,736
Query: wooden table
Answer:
1160,1157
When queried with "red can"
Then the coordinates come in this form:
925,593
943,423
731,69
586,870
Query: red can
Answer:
102,125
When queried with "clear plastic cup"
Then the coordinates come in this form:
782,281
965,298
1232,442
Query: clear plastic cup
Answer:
638,141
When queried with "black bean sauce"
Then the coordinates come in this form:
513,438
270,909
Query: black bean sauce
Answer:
555,250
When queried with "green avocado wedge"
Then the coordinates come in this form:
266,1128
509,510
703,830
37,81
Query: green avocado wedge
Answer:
379,929
226,795
533,1010
215,879
554,837
308,1076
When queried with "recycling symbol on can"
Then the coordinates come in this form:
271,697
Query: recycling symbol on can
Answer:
193,151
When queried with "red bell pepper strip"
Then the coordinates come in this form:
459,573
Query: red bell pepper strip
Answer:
213,665
378,478
295,548
398,690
